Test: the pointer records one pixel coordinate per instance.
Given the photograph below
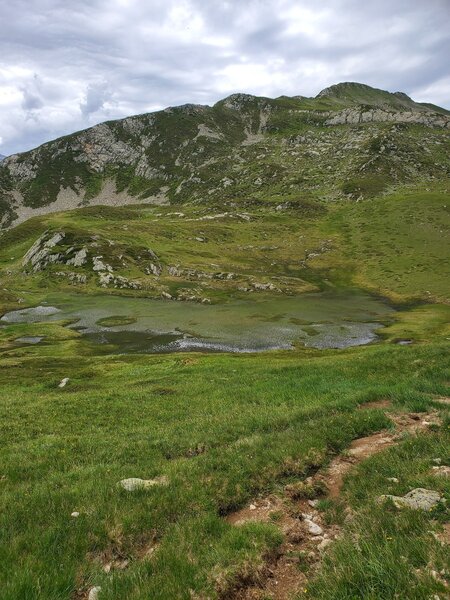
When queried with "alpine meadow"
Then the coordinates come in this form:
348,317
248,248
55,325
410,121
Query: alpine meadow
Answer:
224,354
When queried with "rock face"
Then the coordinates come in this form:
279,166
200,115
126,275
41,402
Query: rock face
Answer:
49,249
57,248
220,153
42,252
353,116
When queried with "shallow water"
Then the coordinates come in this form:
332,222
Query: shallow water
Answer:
29,339
324,320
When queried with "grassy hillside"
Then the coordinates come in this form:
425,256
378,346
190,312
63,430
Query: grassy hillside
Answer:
396,246
350,141
223,429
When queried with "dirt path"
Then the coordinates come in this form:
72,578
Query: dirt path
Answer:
307,536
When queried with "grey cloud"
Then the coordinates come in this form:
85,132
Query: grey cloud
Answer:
96,95
32,98
65,66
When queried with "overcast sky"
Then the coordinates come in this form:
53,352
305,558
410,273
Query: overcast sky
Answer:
67,65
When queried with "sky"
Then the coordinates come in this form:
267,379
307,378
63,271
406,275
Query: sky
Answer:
65,66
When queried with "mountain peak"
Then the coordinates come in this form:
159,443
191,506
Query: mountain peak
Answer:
345,89
351,92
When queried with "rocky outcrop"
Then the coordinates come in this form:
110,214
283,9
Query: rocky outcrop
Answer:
241,147
135,483
42,251
354,116
54,248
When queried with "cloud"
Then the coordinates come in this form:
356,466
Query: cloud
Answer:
96,97
32,99
65,66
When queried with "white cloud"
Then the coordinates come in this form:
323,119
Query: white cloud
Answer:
65,66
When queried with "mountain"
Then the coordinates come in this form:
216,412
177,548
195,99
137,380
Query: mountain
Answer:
350,140
2,156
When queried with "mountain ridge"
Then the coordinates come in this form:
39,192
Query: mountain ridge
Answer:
241,149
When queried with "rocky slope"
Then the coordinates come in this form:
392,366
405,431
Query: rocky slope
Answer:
350,140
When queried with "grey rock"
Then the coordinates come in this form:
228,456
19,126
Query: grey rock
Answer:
313,528
134,483
441,471
40,254
99,265
263,286
418,498
79,258
323,544
153,269
63,382
105,279
352,116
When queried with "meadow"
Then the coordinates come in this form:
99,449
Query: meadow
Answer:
222,430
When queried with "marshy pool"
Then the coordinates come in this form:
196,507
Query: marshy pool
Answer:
129,325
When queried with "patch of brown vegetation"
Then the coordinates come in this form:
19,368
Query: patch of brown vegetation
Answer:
119,553
444,535
443,400
306,534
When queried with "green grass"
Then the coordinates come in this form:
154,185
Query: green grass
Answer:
395,246
116,321
387,553
309,208
261,421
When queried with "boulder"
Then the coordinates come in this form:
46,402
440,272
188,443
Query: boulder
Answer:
418,499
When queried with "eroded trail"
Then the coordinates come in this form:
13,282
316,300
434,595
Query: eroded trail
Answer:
306,534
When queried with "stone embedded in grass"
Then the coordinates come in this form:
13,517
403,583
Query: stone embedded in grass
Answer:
419,499
441,471
134,483
94,592
63,382
75,514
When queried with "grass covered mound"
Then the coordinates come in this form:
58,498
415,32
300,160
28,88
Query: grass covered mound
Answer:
116,321
395,246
